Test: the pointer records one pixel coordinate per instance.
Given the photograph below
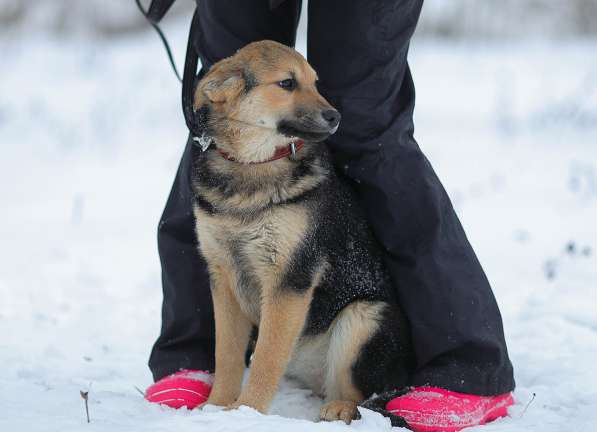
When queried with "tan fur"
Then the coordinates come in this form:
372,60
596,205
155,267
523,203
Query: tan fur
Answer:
276,235
247,234
280,316
338,410
279,231
249,131
270,193
283,318
324,362
231,339
351,330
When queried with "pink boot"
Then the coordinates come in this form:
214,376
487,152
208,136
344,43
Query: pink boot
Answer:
431,409
187,388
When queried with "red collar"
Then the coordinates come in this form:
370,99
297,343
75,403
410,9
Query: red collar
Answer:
280,153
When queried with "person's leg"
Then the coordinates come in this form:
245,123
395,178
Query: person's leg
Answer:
187,339
359,50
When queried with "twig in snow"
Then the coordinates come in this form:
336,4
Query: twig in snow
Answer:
527,405
85,396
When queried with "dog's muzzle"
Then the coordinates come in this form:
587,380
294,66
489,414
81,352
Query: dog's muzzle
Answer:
309,128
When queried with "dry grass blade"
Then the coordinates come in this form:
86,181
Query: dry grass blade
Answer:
85,396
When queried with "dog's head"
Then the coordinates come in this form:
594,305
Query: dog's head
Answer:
262,98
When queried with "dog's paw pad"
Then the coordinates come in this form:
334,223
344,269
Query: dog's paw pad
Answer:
339,410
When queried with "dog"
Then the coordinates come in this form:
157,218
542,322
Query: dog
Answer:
288,249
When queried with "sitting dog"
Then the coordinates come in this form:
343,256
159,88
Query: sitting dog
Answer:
288,249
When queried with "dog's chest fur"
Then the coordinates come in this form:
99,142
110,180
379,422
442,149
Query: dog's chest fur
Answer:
255,253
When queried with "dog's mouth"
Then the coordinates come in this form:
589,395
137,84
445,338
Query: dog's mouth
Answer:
304,130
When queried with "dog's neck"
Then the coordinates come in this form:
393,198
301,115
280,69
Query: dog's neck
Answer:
289,150
224,186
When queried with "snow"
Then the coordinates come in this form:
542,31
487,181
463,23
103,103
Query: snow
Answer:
90,137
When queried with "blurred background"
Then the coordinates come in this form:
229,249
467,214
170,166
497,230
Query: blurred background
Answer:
91,133
452,19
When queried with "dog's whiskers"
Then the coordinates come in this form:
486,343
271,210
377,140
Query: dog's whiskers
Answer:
249,124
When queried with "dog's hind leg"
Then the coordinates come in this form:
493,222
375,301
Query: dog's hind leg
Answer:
282,319
232,337
350,331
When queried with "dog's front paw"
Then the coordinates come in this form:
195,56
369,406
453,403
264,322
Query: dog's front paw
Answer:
245,402
217,401
232,406
339,410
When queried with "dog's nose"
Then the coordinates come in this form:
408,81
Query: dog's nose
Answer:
331,116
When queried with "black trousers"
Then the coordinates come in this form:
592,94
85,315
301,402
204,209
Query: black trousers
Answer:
359,50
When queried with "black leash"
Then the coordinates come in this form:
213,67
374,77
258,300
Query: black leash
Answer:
157,10
189,77
162,37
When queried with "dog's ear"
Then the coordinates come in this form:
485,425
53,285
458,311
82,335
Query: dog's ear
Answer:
223,82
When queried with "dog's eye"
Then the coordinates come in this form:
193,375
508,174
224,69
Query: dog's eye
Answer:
288,84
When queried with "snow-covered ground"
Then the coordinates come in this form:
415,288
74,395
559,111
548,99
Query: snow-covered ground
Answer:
90,136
